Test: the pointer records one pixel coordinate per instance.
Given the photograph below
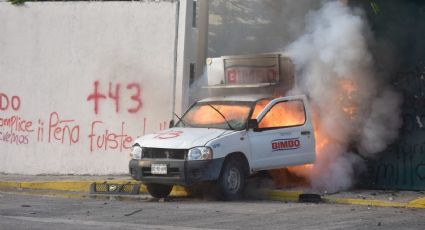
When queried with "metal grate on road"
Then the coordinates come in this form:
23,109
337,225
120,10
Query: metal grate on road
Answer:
111,188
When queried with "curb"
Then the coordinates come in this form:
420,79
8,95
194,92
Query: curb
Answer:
279,195
77,186
418,203
293,196
178,191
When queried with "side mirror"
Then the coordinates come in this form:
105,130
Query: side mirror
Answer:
252,124
171,125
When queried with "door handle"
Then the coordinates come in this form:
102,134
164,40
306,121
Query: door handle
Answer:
305,132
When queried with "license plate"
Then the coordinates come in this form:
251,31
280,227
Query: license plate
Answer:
159,169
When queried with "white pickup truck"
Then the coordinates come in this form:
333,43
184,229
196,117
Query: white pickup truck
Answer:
225,140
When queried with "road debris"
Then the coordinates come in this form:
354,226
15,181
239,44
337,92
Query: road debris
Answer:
132,213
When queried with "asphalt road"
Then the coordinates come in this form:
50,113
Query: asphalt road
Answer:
20,211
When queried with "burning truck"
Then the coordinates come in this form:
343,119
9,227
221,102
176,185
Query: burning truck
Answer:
242,128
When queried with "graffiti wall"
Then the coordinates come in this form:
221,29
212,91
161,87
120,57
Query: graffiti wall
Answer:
402,166
79,81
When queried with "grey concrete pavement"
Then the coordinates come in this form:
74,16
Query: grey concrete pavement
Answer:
19,211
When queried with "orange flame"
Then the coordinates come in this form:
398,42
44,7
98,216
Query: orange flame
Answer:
348,87
207,115
282,114
348,92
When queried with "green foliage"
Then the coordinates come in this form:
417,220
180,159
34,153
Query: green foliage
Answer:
17,2
375,7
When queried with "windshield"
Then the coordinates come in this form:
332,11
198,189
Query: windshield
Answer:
210,115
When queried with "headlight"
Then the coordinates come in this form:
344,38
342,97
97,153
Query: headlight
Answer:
200,153
136,152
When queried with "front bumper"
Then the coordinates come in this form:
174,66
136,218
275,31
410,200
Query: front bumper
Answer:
179,172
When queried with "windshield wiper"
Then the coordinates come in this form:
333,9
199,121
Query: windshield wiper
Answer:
230,126
180,119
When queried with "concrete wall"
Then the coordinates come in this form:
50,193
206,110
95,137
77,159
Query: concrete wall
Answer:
80,81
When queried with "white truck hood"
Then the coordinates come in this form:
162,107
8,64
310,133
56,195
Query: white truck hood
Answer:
180,138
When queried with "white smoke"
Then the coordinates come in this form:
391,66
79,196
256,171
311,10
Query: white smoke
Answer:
381,127
351,107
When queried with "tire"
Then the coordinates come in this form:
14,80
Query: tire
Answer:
309,198
159,190
231,182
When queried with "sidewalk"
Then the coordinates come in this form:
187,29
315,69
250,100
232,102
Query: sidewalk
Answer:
74,183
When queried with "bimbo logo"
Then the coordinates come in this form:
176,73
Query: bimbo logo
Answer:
285,144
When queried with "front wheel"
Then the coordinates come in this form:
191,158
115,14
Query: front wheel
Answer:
232,180
159,190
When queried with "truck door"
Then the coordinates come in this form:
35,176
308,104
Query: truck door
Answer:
284,136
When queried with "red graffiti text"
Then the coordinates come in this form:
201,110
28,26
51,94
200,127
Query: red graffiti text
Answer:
103,138
63,130
7,102
16,124
114,95
12,138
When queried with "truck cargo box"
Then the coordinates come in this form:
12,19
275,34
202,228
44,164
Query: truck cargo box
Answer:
273,70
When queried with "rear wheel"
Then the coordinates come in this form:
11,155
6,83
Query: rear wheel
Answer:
232,180
159,190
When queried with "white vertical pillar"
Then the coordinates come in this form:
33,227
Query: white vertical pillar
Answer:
183,55
202,46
